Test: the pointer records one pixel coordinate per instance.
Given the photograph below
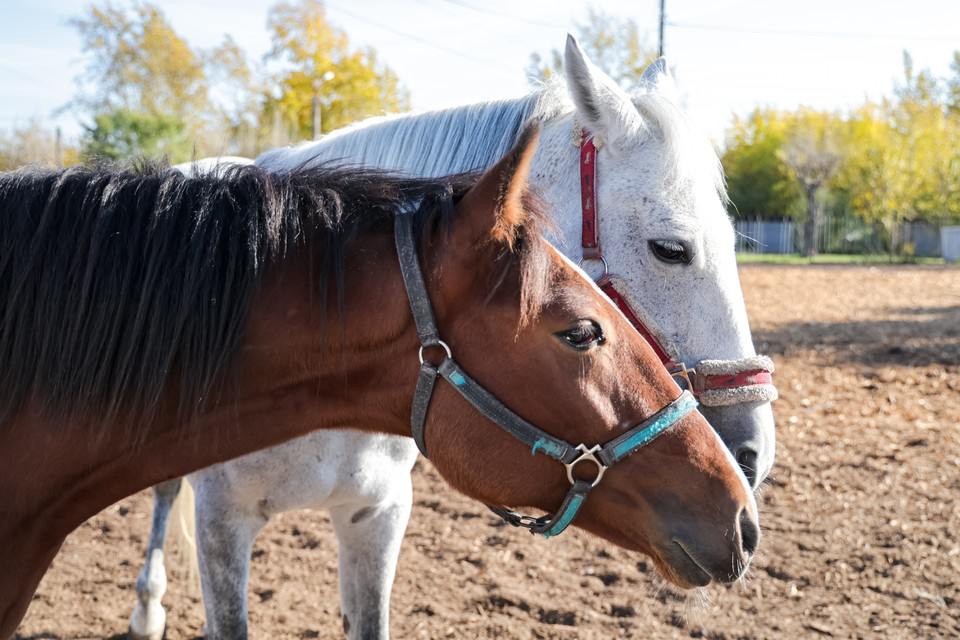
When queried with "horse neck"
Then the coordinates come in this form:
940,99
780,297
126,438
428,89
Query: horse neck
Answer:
555,176
293,374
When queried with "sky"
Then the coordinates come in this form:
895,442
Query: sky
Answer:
728,56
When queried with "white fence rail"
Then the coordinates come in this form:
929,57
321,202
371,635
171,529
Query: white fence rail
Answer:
839,235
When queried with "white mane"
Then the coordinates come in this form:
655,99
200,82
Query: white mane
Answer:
472,137
426,144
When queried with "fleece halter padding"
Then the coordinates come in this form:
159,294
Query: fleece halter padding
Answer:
730,382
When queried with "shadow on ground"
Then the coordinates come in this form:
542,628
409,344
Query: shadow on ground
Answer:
919,336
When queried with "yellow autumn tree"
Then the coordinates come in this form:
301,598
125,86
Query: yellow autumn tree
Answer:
137,62
899,158
759,182
903,158
317,62
145,90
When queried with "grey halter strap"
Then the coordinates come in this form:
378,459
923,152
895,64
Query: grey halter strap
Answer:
539,441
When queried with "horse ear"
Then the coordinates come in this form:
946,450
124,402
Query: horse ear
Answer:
603,107
657,76
495,203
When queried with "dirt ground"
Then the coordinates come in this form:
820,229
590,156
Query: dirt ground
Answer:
861,520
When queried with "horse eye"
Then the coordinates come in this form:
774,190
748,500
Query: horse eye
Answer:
584,335
670,251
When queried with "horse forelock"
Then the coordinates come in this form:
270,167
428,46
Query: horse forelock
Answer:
687,156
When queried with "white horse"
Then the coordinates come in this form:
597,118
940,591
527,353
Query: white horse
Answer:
670,247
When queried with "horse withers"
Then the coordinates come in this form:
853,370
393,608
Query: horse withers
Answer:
148,317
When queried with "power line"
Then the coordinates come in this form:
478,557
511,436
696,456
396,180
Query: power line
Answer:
500,14
417,38
809,34
662,21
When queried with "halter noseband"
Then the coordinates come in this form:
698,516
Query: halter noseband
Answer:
713,382
539,441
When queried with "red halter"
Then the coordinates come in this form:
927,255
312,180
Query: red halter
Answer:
590,242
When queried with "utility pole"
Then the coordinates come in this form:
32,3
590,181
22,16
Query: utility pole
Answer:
317,84
316,112
662,15
58,149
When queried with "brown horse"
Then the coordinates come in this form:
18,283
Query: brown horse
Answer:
146,316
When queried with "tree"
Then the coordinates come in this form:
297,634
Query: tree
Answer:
32,144
238,93
953,85
759,183
122,134
145,89
143,81
903,155
612,44
137,62
900,158
811,153
318,63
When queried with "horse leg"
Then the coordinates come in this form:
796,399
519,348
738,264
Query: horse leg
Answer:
149,618
225,535
369,539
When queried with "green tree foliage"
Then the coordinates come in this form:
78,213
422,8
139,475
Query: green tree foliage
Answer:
612,44
759,182
317,60
122,134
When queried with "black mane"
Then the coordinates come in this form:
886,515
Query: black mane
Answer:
113,278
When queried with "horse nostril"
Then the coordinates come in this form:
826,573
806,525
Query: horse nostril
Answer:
749,533
747,459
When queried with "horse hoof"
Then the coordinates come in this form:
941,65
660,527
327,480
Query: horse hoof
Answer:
147,623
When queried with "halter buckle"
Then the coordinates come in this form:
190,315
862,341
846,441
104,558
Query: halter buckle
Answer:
528,522
588,455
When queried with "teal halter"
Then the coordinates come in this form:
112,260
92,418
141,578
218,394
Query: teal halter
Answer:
539,441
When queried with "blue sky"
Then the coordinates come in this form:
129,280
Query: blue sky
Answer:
729,55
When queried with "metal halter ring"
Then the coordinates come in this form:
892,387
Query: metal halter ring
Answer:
588,456
680,372
606,268
438,343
